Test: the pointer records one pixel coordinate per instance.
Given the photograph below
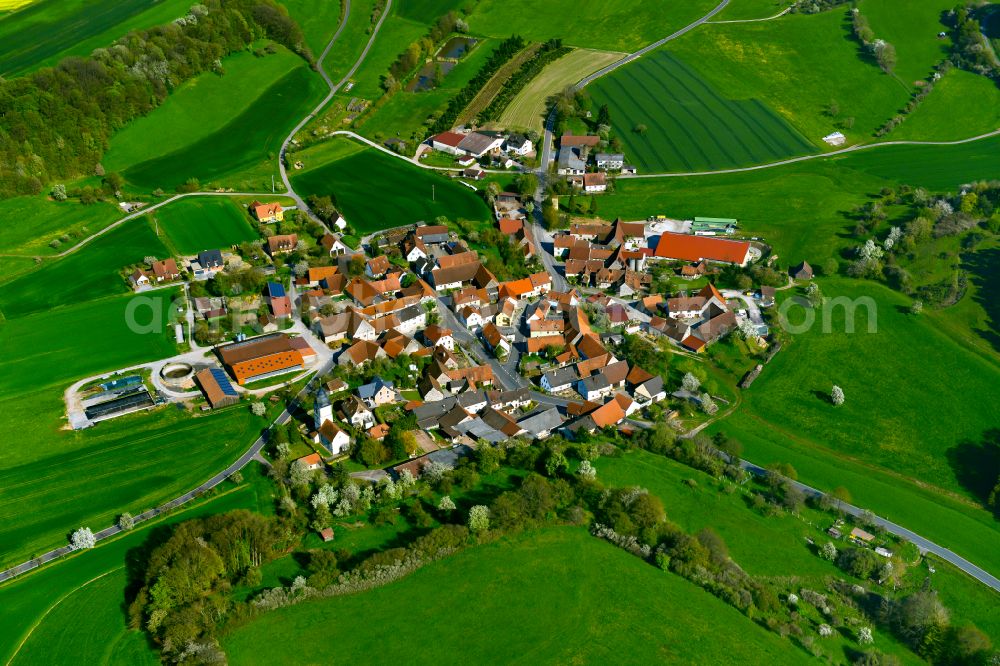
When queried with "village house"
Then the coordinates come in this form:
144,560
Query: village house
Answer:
357,413
438,335
267,212
609,161
335,246
282,244
165,270
518,144
377,393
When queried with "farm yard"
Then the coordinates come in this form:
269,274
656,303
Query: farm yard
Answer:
687,125
202,223
504,584
409,194
221,130
45,31
527,110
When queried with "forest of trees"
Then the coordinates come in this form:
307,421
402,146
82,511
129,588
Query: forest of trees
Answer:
57,121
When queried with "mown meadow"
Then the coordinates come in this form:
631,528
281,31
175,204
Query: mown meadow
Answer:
376,191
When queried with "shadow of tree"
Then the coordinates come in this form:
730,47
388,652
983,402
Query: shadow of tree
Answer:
983,268
977,464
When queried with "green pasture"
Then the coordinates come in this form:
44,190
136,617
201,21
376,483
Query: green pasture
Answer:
913,30
762,546
743,10
250,114
73,342
691,126
616,25
31,223
43,613
596,599
318,19
396,34
797,66
893,379
48,30
131,463
942,168
352,40
89,273
961,105
194,224
376,191
427,10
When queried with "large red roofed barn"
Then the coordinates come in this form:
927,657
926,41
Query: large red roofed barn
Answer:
695,248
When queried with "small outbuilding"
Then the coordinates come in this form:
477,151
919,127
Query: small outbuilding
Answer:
801,272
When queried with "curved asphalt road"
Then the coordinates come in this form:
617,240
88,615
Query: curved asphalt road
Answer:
334,87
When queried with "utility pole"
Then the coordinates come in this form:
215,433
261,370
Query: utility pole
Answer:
272,183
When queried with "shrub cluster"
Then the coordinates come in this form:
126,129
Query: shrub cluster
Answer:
507,49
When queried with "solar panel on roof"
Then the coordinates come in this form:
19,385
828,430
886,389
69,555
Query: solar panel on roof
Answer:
275,289
223,381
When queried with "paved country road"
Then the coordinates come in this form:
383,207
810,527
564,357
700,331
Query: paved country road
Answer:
326,100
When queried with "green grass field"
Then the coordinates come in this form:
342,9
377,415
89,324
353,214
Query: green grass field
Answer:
961,105
222,130
89,273
48,30
31,223
376,191
44,614
913,32
318,18
942,168
617,25
195,224
396,34
796,66
352,39
598,605
892,378
691,126
742,10
50,343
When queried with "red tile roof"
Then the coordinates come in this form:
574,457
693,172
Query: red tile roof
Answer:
449,138
696,248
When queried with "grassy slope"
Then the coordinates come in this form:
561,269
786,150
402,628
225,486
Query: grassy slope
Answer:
961,105
892,379
796,65
223,130
617,25
741,10
376,191
89,273
699,129
941,168
774,546
42,598
352,40
318,19
49,30
31,223
912,31
597,602
196,224
396,34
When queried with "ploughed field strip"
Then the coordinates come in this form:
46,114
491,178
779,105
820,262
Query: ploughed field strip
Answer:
689,125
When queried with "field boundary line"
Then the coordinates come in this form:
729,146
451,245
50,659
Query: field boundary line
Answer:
61,599
488,92
804,158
